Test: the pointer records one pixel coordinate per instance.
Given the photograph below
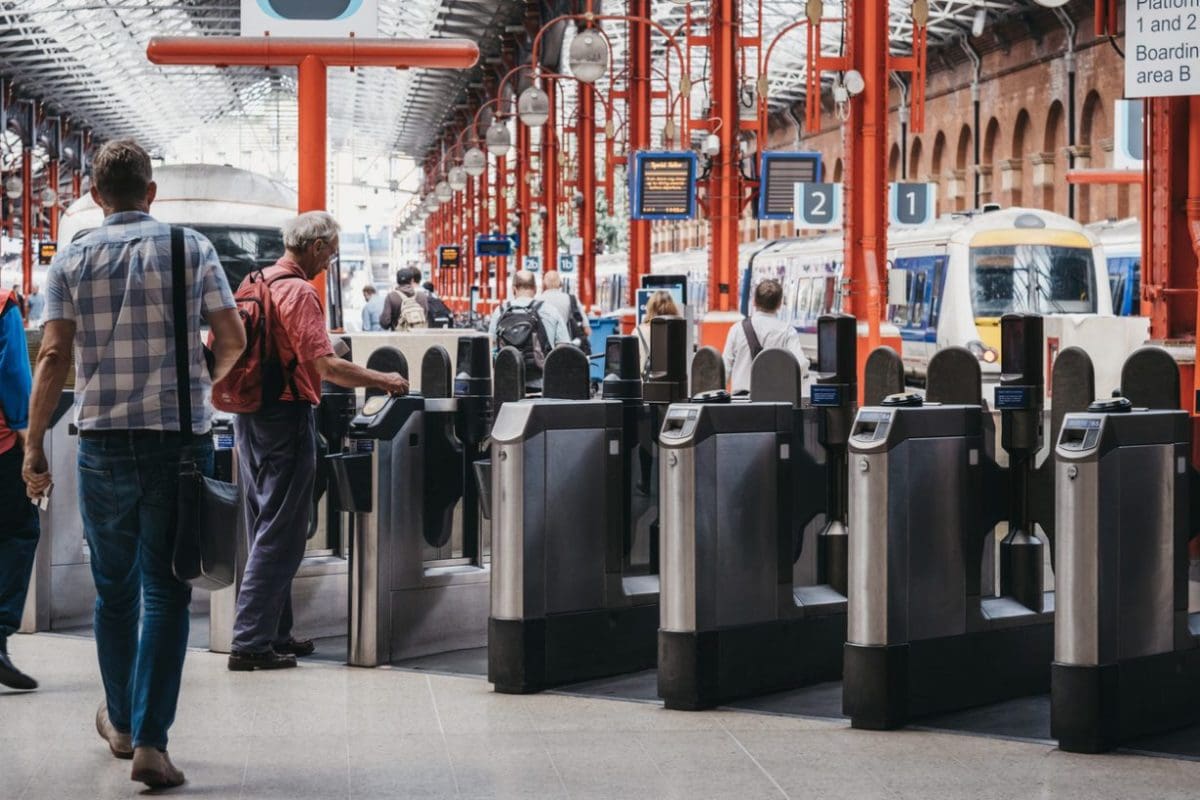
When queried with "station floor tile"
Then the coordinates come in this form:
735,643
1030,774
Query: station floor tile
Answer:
329,731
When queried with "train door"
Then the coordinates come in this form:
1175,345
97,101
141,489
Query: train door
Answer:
1124,280
917,318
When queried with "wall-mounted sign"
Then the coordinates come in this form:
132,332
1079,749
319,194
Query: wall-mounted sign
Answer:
778,174
663,186
47,251
566,263
449,256
912,203
496,246
322,18
1162,48
818,205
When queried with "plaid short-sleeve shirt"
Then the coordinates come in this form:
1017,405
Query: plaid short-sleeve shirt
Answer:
115,284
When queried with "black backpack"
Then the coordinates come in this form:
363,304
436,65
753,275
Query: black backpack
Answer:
440,315
521,327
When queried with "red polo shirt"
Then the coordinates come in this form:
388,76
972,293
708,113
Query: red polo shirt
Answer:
299,329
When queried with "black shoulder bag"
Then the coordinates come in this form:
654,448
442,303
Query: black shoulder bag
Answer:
207,510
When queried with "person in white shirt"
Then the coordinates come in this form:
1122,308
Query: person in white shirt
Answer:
767,330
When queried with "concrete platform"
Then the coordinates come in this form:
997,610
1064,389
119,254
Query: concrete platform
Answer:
329,731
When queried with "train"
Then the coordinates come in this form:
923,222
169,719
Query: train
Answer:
960,273
1122,243
239,211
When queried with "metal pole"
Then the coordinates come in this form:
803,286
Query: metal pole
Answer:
27,225
638,110
524,206
586,134
551,174
470,212
502,224
52,177
485,227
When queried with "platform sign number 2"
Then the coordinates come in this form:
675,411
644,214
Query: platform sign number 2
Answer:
1162,51
818,205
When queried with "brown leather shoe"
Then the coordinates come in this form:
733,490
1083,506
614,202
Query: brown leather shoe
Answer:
119,743
153,767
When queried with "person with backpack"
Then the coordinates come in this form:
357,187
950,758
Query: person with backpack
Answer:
405,308
110,302
529,325
756,333
440,315
274,388
568,307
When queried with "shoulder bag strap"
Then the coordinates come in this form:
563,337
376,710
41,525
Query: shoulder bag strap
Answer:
751,338
183,379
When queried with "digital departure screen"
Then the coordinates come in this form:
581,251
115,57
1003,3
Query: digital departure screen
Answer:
47,251
449,256
493,246
779,172
664,186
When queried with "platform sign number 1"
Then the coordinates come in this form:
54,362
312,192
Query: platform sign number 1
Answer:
1162,51
913,203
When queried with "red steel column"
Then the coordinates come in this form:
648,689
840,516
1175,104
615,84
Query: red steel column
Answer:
586,135
311,143
502,224
638,110
52,177
551,175
524,206
725,181
470,228
485,228
866,164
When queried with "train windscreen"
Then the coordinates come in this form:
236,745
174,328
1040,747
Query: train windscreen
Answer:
242,250
1042,279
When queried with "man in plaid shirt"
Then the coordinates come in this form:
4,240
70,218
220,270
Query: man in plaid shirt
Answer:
109,299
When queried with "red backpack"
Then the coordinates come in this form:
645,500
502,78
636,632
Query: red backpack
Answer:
259,377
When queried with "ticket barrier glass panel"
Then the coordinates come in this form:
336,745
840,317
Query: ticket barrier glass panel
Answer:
561,611
1126,661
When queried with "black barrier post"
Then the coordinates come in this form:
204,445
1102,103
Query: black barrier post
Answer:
1019,400
510,377
883,375
708,371
835,392
473,390
623,381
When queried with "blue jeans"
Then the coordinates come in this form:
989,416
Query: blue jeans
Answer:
18,543
128,488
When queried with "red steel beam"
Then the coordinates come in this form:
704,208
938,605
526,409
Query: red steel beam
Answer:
27,225
312,57
551,176
524,202
725,181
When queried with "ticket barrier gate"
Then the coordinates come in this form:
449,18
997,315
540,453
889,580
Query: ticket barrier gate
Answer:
565,606
927,633
1126,655
740,483
406,600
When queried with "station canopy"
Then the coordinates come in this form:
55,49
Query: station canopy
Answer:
86,59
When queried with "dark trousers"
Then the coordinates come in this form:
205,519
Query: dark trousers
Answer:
277,464
128,495
18,543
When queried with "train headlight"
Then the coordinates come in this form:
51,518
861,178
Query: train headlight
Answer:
982,352
990,356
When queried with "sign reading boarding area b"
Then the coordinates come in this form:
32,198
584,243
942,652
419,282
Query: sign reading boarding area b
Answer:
1162,48
663,186
818,205
325,18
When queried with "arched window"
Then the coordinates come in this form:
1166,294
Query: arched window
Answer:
1019,160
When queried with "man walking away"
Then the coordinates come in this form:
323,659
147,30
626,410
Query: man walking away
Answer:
567,306
440,315
758,332
37,306
277,446
109,297
18,518
372,309
405,307
529,325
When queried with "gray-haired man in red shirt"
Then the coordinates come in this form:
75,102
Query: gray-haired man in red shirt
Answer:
277,448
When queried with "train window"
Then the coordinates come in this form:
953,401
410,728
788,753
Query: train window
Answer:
243,250
935,294
1044,279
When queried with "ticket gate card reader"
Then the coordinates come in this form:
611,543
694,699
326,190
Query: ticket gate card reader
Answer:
562,610
1126,661
400,607
733,621
921,639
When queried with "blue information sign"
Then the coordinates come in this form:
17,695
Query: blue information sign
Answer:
495,245
778,174
663,185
